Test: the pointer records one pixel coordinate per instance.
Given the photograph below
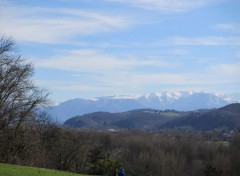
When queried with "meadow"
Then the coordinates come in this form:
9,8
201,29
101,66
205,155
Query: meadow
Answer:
15,170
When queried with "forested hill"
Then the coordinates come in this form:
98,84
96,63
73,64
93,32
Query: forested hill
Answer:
141,119
227,117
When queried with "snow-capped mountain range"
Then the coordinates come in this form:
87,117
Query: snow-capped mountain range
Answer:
180,101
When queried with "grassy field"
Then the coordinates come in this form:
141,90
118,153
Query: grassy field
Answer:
14,170
170,114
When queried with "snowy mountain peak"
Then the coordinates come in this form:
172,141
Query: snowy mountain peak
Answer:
125,97
151,95
181,101
169,96
116,97
172,95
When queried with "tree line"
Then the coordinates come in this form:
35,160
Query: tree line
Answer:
141,153
29,137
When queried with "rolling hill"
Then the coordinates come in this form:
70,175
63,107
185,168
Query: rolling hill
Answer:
142,119
227,117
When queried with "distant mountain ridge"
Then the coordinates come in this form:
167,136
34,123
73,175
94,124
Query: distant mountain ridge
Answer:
180,101
227,117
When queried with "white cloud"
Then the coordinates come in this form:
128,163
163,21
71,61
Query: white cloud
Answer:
125,82
165,78
212,40
95,61
238,54
118,72
231,27
232,70
55,24
179,52
112,75
67,85
167,5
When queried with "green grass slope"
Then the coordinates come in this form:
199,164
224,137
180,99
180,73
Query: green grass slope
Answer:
14,170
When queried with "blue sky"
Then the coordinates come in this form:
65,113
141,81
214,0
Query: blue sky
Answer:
90,48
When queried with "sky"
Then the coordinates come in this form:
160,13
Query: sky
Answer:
92,48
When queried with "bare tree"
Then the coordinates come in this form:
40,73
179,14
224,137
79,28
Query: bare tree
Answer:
19,97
